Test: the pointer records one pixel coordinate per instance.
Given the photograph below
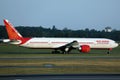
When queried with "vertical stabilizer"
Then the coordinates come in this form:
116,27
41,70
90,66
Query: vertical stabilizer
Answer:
13,34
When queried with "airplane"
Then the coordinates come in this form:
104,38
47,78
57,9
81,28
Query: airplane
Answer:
64,45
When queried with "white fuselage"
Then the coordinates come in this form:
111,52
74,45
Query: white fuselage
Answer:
58,42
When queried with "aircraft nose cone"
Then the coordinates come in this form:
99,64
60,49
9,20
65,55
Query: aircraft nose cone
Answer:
116,44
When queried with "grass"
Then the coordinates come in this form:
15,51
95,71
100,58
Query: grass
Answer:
60,65
61,62
68,66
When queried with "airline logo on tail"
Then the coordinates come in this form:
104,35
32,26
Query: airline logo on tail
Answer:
13,34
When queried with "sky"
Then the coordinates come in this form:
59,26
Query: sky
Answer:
72,14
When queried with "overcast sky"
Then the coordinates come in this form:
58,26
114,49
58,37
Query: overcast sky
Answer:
73,14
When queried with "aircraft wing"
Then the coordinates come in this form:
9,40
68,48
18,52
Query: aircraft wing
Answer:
8,41
4,40
73,44
69,46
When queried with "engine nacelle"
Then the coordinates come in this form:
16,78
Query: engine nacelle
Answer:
85,48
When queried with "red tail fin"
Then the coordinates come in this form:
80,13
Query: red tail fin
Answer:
13,34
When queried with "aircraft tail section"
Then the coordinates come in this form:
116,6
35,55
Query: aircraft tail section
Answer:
13,34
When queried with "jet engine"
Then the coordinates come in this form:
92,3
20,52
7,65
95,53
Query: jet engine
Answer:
84,48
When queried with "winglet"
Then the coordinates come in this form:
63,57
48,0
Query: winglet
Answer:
13,34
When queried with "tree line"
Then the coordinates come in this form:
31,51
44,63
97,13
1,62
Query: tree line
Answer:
27,31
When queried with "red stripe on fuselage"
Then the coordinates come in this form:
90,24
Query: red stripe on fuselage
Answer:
102,48
39,42
86,43
59,42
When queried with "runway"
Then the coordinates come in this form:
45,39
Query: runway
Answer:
60,57
62,77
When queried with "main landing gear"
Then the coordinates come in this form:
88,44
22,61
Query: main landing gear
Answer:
63,51
108,52
60,52
55,52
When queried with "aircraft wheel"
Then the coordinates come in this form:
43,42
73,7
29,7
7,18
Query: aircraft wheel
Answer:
55,52
108,52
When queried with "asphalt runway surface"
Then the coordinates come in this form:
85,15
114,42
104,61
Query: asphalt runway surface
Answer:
62,77
61,57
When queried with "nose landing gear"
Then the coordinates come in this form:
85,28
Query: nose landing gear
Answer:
109,50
